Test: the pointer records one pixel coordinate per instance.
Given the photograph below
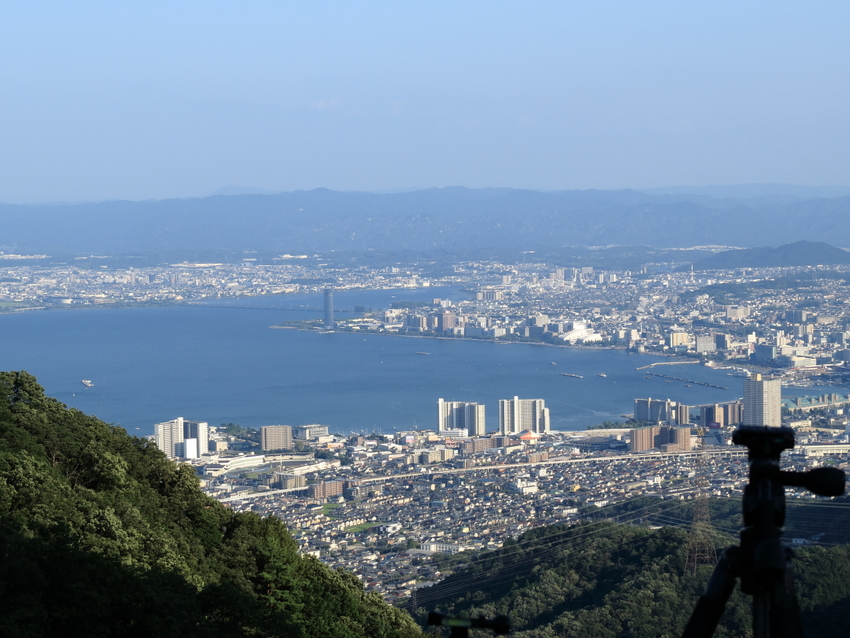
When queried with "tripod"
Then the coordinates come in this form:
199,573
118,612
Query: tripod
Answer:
761,562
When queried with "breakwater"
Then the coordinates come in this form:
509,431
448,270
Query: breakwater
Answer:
687,381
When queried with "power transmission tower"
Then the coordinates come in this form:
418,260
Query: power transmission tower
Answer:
701,550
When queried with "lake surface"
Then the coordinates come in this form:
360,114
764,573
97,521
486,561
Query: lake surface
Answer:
225,364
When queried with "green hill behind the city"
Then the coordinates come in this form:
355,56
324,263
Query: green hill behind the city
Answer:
799,253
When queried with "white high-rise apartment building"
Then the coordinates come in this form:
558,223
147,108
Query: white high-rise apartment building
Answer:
181,438
762,401
460,415
517,415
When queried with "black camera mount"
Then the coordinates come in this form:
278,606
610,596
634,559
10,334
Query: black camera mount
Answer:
761,562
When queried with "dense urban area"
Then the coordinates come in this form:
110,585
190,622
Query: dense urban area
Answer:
381,507
384,507
792,319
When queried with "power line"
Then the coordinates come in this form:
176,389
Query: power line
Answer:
548,546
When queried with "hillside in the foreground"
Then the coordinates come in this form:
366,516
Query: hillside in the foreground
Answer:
607,580
101,535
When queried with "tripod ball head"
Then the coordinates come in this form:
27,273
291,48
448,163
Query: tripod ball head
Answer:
763,442
823,481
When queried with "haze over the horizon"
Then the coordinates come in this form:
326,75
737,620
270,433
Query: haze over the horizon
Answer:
160,100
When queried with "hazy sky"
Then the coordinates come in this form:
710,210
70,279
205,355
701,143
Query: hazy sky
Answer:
172,99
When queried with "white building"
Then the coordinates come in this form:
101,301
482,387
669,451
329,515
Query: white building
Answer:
181,438
442,548
523,486
762,401
309,432
517,415
460,415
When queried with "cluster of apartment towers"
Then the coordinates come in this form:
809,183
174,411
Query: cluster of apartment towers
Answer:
184,439
462,419
761,405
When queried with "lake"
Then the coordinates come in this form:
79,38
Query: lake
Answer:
225,364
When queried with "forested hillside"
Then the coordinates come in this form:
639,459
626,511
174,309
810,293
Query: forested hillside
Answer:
100,535
824,520
606,580
799,253
453,219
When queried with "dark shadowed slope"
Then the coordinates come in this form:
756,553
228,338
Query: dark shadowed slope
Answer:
101,535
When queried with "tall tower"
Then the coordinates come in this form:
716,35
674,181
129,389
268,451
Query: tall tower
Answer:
460,415
169,437
196,439
762,401
329,308
517,415
181,438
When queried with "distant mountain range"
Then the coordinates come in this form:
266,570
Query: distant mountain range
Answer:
799,253
449,219
754,191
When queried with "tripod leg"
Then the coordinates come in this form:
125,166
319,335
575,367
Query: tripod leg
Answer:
785,621
711,604
761,615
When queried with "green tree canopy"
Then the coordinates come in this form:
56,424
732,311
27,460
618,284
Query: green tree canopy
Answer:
101,535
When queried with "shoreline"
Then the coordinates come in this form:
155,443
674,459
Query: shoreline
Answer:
677,359
200,302
476,339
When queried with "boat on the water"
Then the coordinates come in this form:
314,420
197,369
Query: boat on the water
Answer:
88,383
421,353
601,374
568,374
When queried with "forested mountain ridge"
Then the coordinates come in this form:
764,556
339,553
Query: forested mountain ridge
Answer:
101,535
454,219
607,580
798,253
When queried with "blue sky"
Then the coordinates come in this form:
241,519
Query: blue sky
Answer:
150,100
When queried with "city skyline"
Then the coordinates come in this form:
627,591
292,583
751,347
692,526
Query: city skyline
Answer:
538,303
